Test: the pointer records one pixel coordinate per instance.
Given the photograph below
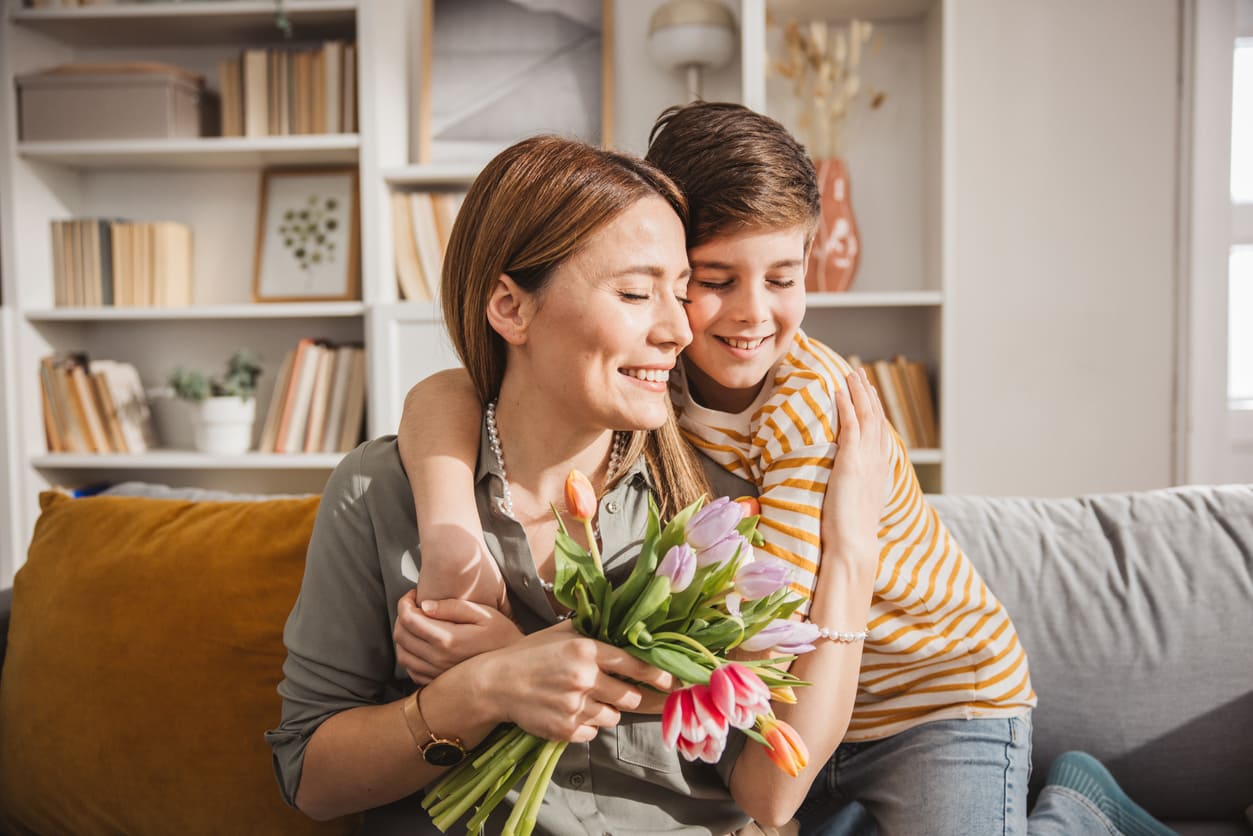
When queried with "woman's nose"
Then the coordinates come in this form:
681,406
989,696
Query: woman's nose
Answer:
671,327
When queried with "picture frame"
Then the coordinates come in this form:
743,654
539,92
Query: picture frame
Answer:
308,236
492,72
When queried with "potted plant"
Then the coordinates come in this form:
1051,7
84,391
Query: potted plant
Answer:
226,405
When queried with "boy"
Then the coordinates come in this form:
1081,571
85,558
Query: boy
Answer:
943,679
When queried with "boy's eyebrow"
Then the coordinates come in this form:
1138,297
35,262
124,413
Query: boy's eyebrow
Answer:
724,265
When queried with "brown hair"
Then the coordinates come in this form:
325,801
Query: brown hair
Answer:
534,206
737,168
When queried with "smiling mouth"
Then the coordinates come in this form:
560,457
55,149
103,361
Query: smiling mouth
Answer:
744,344
648,375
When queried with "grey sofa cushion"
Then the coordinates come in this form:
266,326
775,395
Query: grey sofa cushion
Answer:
1136,611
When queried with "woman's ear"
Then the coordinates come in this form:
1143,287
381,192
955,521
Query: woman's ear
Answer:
509,310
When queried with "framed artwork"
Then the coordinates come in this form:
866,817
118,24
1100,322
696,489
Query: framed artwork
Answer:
308,237
493,72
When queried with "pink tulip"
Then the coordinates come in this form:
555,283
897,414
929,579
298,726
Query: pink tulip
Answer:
752,508
679,566
580,496
739,694
787,637
692,723
762,578
713,522
787,750
724,550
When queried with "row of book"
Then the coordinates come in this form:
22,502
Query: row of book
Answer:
94,406
905,392
279,92
318,404
111,261
421,225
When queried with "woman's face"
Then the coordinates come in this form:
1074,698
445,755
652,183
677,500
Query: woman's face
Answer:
609,325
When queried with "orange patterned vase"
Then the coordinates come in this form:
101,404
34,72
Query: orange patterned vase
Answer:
836,248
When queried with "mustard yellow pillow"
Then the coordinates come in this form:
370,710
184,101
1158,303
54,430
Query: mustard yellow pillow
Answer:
143,656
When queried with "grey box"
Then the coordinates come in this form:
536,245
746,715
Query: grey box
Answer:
127,101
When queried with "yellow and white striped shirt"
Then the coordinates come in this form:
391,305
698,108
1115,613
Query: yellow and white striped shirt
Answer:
941,646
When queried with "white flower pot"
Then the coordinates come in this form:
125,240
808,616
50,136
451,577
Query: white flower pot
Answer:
224,425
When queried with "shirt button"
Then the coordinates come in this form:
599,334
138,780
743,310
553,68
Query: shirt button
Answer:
612,507
500,505
576,780
526,583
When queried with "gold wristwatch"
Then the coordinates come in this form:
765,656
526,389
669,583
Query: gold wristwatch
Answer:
436,750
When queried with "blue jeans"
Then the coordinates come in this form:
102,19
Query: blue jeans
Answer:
944,778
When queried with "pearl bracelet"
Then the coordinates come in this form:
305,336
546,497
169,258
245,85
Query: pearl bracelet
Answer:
841,637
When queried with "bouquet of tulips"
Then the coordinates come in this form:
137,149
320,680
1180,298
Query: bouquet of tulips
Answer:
695,593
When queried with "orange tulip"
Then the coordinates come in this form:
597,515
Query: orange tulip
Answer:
783,694
786,748
752,508
580,496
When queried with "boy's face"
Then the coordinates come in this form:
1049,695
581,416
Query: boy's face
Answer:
748,300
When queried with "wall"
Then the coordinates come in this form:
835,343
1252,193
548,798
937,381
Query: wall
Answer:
1062,119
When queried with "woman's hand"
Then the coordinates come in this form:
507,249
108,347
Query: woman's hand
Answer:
562,686
435,635
860,475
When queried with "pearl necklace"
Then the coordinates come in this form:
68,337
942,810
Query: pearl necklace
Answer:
620,439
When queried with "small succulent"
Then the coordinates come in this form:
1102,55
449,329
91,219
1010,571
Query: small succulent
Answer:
240,379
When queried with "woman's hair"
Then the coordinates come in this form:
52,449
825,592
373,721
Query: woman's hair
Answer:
534,206
737,168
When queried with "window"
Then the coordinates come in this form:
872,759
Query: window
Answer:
1240,269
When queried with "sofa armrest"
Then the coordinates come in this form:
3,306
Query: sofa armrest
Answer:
6,607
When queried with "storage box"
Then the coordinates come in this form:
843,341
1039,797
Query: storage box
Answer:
112,101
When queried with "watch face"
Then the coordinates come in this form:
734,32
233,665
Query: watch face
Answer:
443,753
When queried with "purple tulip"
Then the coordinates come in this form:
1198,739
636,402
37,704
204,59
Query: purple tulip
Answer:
724,550
679,566
762,578
713,523
786,637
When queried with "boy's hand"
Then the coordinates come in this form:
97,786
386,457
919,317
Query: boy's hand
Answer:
436,635
861,473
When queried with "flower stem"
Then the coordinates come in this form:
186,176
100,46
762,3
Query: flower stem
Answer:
592,547
692,643
448,810
526,810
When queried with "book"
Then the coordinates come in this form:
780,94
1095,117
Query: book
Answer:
408,266
446,206
231,97
894,406
332,86
900,379
426,235
108,411
354,403
348,100
920,389
329,442
255,87
269,431
319,402
85,409
291,430
130,403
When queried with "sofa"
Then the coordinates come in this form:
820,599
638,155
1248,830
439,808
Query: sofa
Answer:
141,645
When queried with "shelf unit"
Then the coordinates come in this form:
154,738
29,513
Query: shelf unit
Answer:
898,184
209,183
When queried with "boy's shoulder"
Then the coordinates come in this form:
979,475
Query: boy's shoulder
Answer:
810,369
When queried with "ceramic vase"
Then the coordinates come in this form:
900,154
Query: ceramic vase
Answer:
836,248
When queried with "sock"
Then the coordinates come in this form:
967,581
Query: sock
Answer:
1084,774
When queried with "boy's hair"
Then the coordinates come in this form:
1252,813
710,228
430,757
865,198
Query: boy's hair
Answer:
737,168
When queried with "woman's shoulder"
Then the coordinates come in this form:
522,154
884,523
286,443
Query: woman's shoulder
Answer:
372,473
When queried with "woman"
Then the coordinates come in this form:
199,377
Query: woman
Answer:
575,259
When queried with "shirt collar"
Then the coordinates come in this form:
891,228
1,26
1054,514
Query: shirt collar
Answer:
489,466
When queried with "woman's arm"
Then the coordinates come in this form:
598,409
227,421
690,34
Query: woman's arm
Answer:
439,447
841,601
553,683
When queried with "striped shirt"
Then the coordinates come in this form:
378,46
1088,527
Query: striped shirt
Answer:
941,646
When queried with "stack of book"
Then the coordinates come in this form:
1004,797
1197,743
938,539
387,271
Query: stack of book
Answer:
319,400
905,392
421,225
109,261
278,92
94,406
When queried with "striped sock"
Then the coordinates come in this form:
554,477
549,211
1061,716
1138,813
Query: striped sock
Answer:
1084,774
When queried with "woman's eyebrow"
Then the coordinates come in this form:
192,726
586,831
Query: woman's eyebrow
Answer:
652,270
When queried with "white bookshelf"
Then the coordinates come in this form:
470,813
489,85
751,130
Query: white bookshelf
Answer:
210,183
898,183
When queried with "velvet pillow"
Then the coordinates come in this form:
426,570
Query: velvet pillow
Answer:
143,656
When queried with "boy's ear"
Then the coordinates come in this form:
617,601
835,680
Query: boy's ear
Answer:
509,310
